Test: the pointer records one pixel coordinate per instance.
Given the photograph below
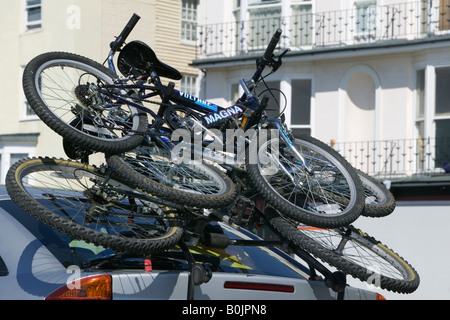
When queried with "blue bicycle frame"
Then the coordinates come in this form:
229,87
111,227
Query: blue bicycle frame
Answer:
211,113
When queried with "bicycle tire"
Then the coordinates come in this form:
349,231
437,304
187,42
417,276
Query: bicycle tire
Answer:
62,89
379,201
81,201
331,197
189,184
353,252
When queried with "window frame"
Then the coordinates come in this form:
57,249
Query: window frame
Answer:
32,25
426,118
26,116
188,84
366,17
285,85
245,9
6,152
193,23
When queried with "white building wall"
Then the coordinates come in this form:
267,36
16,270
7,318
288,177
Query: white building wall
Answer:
418,233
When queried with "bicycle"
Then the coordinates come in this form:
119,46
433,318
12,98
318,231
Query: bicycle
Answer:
91,204
107,115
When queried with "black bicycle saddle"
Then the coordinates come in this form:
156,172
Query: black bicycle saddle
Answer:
139,59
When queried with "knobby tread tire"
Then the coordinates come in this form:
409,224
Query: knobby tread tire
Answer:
278,202
385,201
296,237
30,205
208,201
127,142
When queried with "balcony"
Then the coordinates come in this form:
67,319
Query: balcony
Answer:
399,159
412,20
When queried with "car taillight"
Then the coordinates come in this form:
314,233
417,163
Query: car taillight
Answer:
258,286
380,297
97,287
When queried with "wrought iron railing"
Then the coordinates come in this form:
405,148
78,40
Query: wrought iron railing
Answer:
398,158
409,20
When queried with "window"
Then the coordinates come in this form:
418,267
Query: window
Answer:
259,19
32,14
444,14
442,116
189,20
188,84
366,17
301,25
420,117
28,112
300,108
263,23
14,147
433,118
3,269
7,160
257,2
274,104
235,94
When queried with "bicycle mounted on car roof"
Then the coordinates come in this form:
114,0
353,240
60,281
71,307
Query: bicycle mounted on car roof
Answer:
105,113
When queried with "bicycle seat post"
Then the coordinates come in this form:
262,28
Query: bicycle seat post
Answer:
166,99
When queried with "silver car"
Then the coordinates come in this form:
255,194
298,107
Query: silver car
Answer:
38,262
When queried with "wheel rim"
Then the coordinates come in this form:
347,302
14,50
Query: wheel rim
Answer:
75,194
68,89
156,165
354,247
326,192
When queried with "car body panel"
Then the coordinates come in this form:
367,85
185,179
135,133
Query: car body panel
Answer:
33,271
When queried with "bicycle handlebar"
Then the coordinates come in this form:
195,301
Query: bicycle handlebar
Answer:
125,33
272,45
267,57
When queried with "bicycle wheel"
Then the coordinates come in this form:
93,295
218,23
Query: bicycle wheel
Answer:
189,184
329,196
353,252
379,201
88,205
67,92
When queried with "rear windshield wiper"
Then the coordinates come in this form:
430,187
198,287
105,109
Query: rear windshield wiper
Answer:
118,260
170,260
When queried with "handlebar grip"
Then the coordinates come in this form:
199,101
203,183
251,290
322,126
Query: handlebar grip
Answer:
272,45
125,32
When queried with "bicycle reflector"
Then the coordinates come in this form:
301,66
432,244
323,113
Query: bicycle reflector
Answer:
98,287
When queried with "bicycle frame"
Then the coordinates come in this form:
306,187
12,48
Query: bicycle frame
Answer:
210,113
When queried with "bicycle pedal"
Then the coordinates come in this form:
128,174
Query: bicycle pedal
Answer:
242,211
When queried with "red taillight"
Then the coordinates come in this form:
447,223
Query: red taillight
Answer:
97,287
380,297
258,286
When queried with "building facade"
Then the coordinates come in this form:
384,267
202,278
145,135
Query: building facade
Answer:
31,27
368,77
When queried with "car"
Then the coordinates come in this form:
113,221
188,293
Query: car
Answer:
39,262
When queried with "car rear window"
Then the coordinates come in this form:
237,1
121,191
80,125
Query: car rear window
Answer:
233,259
3,269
